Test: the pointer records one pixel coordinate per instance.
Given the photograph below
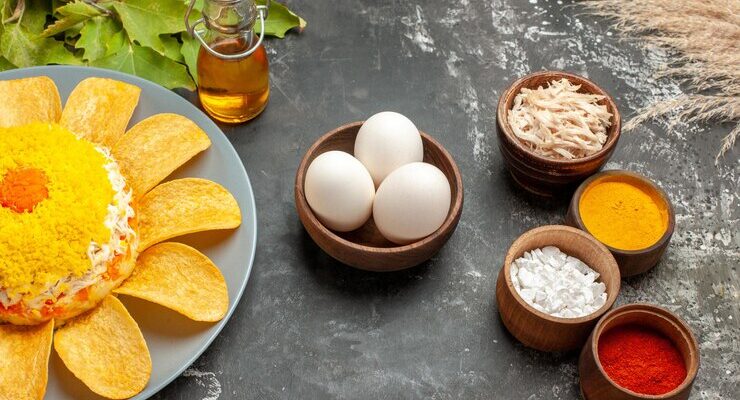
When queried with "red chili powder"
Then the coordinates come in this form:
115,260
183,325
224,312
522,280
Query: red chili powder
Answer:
641,360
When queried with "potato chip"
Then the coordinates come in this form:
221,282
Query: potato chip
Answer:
157,146
24,360
185,206
99,109
105,349
180,278
29,100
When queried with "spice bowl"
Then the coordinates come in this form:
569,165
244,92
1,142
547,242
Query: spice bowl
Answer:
594,381
537,329
631,262
365,248
541,175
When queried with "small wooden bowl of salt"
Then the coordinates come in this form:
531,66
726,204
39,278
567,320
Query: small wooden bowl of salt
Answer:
542,325
555,129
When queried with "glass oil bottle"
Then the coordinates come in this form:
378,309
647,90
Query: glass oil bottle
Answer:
233,71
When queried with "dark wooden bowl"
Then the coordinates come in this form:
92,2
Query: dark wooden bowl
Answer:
596,385
542,331
546,176
631,262
365,248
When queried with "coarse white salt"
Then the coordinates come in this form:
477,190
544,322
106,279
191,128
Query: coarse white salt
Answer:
557,284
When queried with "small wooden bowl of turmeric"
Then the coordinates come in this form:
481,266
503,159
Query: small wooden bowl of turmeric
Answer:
629,214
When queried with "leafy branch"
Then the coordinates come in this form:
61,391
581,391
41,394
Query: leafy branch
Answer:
140,37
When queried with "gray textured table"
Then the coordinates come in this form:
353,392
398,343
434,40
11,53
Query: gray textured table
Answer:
311,328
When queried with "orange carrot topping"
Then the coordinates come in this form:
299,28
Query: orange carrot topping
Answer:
21,189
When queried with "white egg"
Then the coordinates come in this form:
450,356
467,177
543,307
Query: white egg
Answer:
386,141
339,190
412,202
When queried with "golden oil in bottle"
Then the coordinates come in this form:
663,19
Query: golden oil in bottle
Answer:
233,91
233,72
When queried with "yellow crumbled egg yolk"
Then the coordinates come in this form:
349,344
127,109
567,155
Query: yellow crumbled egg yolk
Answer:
49,242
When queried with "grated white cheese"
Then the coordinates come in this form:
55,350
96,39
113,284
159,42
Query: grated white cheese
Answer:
559,122
557,284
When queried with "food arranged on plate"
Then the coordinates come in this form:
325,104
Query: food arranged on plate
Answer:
89,209
84,217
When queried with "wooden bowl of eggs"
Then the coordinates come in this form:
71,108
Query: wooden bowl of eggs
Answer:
562,261
379,195
546,145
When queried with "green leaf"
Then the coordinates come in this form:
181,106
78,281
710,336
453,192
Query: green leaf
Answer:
5,64
279,20
98,35
24,48
146,20
189,50
4,12
148,64
78,7
142,37
116,42
71,34
31,14
172,48
11,15
72,14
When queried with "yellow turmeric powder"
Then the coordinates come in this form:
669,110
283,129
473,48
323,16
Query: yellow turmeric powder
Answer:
623,213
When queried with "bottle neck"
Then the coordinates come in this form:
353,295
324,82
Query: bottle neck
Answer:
230,16
230,43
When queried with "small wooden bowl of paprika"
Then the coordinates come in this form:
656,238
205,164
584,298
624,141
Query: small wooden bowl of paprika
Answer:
661,372
535,328
632,217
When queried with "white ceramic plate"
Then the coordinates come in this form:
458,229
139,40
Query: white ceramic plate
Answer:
174,341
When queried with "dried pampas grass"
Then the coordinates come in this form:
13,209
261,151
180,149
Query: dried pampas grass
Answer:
706,37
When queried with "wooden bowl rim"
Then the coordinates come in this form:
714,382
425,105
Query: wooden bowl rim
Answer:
455,210
613,132
652,311
583,236
576,199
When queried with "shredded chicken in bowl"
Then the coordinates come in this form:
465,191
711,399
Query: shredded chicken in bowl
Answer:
559,122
